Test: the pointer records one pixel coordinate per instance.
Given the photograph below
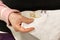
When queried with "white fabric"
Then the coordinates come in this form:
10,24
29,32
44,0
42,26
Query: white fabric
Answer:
47,27
2,32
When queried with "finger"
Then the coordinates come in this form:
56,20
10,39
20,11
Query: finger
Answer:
29,29
27,20
22,29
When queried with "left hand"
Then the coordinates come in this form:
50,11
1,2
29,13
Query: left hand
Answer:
16,20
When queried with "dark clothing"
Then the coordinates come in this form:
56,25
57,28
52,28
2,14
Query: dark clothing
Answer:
6,36
4,28
33,4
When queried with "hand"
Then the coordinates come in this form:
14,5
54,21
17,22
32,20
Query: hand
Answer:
16,20
27,20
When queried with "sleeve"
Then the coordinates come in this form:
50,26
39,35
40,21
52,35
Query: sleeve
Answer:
5,12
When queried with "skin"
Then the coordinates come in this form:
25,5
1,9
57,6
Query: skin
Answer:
16,20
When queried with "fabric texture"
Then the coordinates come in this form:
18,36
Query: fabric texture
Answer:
47,27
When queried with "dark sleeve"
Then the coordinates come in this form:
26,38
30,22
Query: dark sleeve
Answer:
33,4
3,27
